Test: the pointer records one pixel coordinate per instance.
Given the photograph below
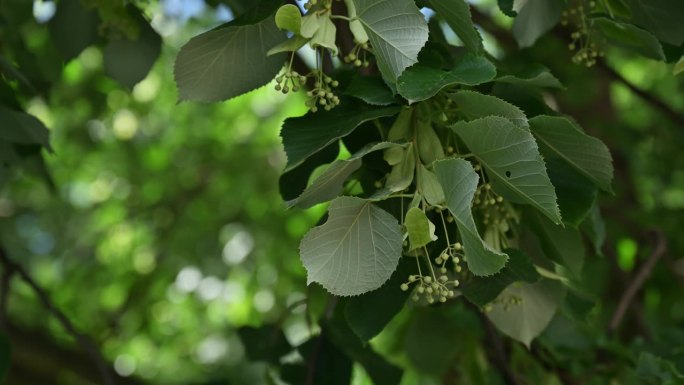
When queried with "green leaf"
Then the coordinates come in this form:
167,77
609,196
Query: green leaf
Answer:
265,343
560,137
325,35
290,45
21,128
482,290
73,28
506,6
127,60
331,182
512,160
429,146
370,89
534,19
576,194
457,15
308,134
536,76
397,31
631,37
474,105
229,61
369,313
402,174
459,182
429,186
562,245
678,67
663,18
379,370
289,18
323,363
525,320
310,25
420,82
654,370
420,230
595,229
355,251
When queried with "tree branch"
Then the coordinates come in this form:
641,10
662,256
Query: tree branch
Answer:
638,281
86,344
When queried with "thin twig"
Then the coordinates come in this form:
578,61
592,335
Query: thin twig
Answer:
86,344
638,281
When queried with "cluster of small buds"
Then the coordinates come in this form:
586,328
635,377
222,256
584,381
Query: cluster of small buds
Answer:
322,94
357,56
492,206
587,51
432,288
506,302
289,81
453,253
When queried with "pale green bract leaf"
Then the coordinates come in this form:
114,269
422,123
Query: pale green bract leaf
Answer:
560,137
331,182
290,45
397,31
534,307
310,24
512,160
223,63
420,82
678,67
355,25
429,146
417,225
289,18
474,105
429,186
459,182
325,35
355,251
457,15
402,173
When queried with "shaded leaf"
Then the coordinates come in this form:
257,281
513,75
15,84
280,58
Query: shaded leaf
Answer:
562,245
127,60
524,310
663,18
576,194
595,229
420,82
534,19
535,76
512,160
429,146
230,60
355,251
560,137
429,186
308,134
74,27
402,174
397,31
482,290
631,37
22,128
474,105
370,89
459,182
265,343
369,313
457,15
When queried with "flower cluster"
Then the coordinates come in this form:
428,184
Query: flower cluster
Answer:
322,93
583,41
433,288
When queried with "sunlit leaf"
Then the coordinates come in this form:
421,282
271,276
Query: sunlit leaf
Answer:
459,182
355,251
512,160
457,15
534,19
474,105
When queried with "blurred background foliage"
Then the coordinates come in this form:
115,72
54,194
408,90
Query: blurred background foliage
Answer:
158,229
